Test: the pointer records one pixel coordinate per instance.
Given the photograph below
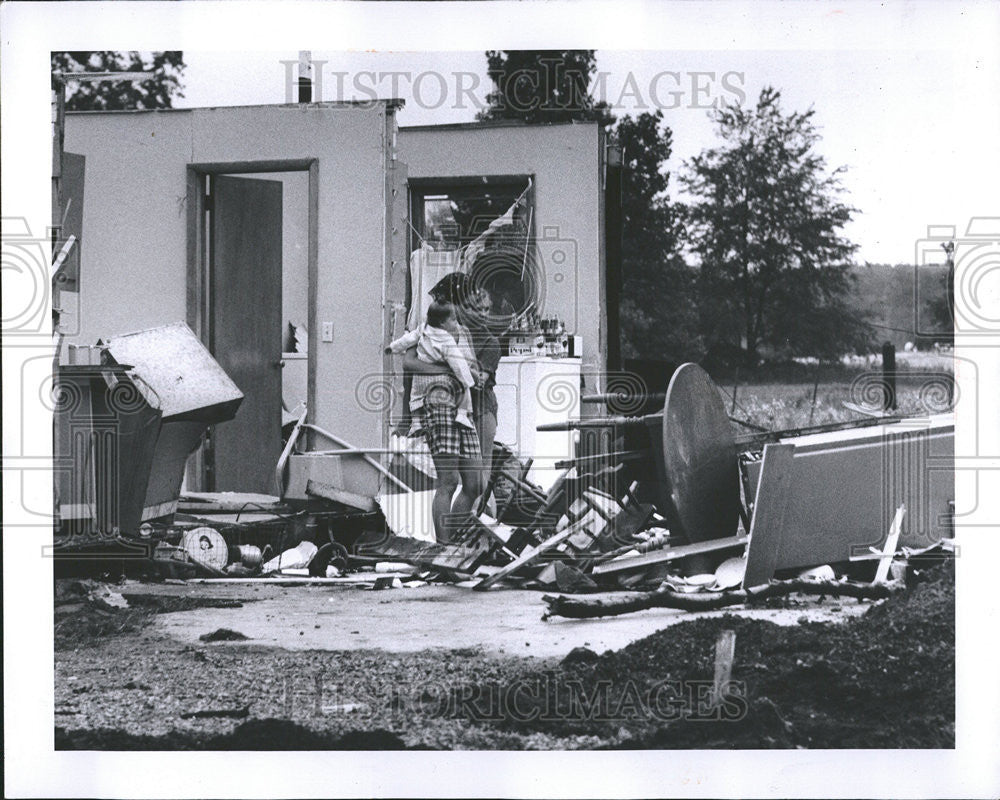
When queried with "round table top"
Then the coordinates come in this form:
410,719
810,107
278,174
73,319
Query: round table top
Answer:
699,457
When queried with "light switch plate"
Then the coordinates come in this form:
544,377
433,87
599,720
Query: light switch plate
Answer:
327,331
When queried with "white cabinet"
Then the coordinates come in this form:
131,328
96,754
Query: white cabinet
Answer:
532,391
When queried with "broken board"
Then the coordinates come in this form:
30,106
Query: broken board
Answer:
450,557
828,497
667,554
342,496
528,558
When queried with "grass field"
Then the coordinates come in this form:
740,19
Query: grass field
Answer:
804,395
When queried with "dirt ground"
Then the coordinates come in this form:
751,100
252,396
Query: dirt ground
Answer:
145,678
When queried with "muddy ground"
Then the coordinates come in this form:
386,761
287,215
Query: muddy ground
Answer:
884,679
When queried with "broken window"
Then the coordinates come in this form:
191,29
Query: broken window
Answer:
481,226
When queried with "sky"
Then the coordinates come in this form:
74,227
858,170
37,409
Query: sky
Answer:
915,125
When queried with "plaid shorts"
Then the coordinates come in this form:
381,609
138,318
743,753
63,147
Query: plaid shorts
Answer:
444,435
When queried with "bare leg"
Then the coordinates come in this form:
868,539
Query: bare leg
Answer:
471,486
447,482
486,425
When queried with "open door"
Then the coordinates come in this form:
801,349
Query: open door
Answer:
245,329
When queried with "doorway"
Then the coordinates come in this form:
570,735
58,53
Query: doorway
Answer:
250,283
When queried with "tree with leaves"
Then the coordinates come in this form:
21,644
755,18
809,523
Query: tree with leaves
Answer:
658,310
542,86
158,91
764,223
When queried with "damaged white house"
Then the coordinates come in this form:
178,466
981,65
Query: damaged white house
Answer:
289,239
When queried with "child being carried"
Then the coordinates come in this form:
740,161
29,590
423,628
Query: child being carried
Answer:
436,345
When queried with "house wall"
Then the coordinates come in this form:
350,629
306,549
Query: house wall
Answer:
133,267
134,259
566,164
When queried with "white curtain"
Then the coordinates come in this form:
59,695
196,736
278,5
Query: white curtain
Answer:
427,267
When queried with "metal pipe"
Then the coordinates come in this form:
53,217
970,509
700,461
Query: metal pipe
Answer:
655,397
343,443
756,439
357,451
624,397
600,422
748,424
747,439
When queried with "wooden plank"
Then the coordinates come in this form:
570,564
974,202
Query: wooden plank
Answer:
600,502
890,546
196,296
656,542
195,284
328,492
768,523
313,298
757,440
527,488
60,260
549,544
498,472
349,580
598,459
451,557
725,650
477,530
661,556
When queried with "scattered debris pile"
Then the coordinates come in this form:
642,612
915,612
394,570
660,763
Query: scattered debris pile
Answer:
690,517
712,520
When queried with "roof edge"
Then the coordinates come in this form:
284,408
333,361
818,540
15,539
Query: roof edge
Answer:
392,104
498,123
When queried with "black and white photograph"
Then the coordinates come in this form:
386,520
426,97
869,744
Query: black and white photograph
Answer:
390,391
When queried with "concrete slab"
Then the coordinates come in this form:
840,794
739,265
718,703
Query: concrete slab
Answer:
502,621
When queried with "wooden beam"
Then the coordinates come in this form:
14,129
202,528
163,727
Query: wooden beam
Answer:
312,297
882,572
671,554
196,298
613,604
549,544
758,440
725,650
767,527
60,260
349,580
328,492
